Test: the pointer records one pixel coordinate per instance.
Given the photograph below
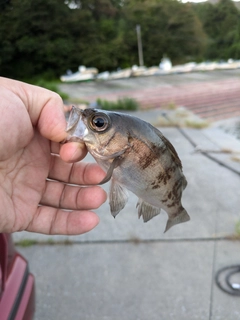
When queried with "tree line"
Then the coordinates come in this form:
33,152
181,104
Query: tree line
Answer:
45,38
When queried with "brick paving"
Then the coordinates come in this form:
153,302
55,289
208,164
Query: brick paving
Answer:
216,97
212,100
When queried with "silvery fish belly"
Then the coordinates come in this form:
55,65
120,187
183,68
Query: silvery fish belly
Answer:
136,156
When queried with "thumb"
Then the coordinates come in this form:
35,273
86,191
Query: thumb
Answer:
51,120
45,108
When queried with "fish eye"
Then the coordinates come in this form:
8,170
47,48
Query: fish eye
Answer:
99,122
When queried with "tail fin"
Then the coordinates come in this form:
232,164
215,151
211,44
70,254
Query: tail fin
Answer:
182,216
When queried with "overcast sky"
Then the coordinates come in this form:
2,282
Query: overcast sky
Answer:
200,0
193,1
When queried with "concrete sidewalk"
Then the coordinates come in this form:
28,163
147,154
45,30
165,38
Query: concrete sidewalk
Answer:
127,270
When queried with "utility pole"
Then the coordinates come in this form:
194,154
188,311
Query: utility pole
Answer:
139,40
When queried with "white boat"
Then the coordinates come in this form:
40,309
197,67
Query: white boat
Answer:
103,75
83,74
138,71
120,74
165,64
154,70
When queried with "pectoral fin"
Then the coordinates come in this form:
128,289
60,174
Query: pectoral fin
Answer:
182,216
116,162
146,210
118,197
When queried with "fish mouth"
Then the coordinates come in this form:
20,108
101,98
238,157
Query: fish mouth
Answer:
76,127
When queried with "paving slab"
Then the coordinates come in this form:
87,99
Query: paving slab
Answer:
122,281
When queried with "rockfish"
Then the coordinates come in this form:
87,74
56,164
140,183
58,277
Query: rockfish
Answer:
135,156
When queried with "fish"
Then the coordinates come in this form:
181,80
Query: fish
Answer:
136,157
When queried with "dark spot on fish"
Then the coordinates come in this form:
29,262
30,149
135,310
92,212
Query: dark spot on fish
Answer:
168,172
159,150
145,155
170,195
147,161
164,177
155,185
176,187
160,177
171,205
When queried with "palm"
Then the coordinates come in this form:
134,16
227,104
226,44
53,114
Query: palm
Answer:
24,182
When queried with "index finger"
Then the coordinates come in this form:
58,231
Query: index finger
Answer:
73,151
75,173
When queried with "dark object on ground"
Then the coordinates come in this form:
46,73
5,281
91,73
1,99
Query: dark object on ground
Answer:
225,280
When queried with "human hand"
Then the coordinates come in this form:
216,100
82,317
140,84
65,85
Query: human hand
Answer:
32,125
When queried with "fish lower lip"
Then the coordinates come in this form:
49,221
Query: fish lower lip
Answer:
76,128
80,129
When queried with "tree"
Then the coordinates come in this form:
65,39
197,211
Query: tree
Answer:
97,36
47,37
168,28
221,24
35,35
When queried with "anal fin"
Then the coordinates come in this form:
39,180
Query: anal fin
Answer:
146,210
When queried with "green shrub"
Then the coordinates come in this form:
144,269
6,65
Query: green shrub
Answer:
237,228
26,243
51,85
120,104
